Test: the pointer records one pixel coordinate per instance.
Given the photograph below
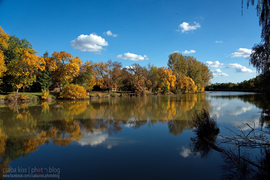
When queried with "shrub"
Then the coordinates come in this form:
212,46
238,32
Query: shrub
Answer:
99,95
11,97
45,94
22,97
73,92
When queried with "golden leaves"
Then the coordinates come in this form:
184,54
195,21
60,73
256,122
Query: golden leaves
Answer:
26,68
45,94
2,65
186,84
167,76
73,92
65,67
4,37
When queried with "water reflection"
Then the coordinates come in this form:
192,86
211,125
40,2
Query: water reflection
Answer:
237,149
26,127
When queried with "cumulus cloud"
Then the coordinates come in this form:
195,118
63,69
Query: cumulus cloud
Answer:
89,43
239,68
93,139
242,52
188,52
253,120
218,72
215,64
109,33
186,27
218,41
185,152
132,57
240,110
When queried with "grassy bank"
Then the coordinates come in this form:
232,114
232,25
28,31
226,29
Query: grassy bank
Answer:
31,96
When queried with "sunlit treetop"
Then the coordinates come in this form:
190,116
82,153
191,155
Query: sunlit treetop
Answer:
4,37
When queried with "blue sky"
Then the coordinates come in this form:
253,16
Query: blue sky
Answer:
140,31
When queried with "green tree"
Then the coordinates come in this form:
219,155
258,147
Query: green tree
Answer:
260,57
85,77
178,63
45,79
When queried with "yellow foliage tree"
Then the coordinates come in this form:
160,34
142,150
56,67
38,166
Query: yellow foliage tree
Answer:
4,37
3,68
64,66
166,76
3,46
25,69
186,84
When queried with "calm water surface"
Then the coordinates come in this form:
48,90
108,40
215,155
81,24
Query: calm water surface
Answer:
119,138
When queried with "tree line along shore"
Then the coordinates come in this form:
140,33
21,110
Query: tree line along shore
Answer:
22,70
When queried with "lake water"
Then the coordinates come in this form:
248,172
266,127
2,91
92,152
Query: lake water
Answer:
121,138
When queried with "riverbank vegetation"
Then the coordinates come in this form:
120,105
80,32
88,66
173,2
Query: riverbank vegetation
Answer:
21,69
257,84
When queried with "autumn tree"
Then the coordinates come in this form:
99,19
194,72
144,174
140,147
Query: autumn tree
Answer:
138,78
166,79
86,76
101,75
4,37
25,69
127,79
13,53
186,84
114,74
63,66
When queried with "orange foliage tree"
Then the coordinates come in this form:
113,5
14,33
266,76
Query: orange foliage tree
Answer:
63,66
166,78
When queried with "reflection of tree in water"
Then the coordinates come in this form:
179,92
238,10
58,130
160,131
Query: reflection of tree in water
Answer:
26,127
237,163
206,132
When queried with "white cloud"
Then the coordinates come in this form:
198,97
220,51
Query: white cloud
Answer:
93,139
185,152
240,110
188,52
215,64
218,72
130,67
89,43
186,27
242,52
109,33
218,105
218,41
239,68
132,57
253,121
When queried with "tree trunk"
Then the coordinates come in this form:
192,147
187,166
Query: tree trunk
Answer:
17,92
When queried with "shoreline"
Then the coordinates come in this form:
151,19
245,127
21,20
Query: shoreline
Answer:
36,98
